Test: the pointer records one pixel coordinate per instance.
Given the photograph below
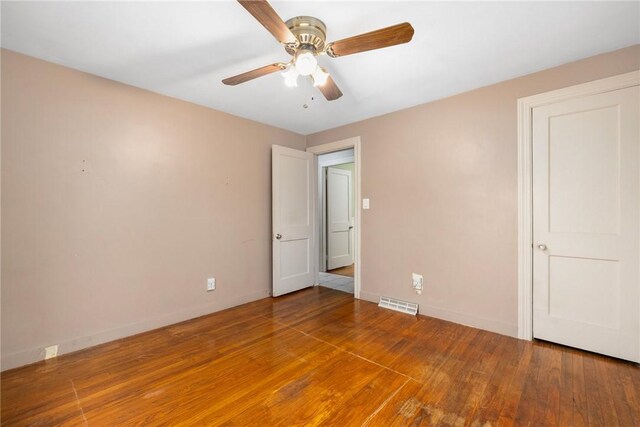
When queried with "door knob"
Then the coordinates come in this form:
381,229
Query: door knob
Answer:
278,236
542,247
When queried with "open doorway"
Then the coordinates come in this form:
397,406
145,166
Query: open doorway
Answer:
337,220
338,215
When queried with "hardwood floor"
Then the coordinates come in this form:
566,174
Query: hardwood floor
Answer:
320,357
343,271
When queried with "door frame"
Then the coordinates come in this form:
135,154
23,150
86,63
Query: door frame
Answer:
525,181
330,147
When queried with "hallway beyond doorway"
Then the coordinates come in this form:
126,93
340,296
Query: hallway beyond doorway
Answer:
343,271
336,282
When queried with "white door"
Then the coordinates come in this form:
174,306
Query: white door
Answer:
339,218
586,223
293,219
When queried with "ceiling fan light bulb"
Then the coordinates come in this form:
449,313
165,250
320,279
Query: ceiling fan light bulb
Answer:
320,77
305,63
290,77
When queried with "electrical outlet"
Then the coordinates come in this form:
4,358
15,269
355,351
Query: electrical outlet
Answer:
418,282
211,284
50,352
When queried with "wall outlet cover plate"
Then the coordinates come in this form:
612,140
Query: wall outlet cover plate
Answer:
50,352
417,280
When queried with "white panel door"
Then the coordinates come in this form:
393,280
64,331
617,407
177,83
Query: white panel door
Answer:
293,219
339,218
586,223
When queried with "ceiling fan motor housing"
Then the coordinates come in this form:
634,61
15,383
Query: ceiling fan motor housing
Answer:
304,38
310,32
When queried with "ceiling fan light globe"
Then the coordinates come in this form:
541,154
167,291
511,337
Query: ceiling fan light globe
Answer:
305,63
290,77
320,77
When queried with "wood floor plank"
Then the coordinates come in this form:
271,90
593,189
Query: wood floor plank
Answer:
595,400
492,386
534,390
463,399
516,385
565,416
316,396
551,373
318,357
612,408
580,410
419,403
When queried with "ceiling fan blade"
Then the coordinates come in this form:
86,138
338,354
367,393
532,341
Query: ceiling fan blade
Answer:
264,13
384,37
254,74
330,90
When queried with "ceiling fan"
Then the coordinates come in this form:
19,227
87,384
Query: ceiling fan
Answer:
304,38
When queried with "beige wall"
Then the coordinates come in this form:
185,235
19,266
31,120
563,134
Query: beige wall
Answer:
118,203
442,179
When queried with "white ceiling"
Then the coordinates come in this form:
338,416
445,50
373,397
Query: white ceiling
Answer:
184,49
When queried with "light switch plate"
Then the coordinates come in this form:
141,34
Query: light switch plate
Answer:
365,203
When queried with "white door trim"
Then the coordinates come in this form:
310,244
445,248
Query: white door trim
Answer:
525,189
337,146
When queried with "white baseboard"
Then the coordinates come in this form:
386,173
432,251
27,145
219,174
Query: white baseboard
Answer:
25,357
369,297
457,317
490,325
